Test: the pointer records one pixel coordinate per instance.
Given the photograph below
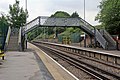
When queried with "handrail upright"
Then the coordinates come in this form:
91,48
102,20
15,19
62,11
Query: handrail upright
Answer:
19,39
7,38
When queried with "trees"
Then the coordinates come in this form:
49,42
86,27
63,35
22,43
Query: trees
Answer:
3,30
3,20
17,16
60,14
75,15
109,15
54,31
3,25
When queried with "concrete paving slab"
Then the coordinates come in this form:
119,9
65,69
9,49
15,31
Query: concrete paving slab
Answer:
23,66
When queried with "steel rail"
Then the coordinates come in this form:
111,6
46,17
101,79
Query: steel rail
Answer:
77,64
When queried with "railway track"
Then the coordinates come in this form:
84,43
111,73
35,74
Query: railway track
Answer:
94,71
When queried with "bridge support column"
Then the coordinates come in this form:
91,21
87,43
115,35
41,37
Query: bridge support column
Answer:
85,41
95,38
25,41
91,41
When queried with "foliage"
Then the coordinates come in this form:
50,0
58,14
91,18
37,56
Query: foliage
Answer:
109,15
3,25
17,16
60,14
3,20
44,32
75,15
99,27
70,31
34,33
3,30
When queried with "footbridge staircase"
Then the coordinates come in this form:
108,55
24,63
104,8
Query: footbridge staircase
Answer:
13,39
100,36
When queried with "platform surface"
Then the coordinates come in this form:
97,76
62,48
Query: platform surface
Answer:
33,64
115,52
23,66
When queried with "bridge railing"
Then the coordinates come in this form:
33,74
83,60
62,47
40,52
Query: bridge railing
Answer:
7,38
42,20
52,21
31,24
74,22
108,36
62,22
101,39
85,23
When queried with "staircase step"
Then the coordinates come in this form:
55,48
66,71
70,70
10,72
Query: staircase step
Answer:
12,49
13,43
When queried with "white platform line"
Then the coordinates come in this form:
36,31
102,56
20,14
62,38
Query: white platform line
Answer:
61,66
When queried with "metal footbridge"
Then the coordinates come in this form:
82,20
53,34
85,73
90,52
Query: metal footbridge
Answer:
100,36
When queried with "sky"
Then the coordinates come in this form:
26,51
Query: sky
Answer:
48,7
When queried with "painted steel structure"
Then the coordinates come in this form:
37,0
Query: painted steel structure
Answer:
104,39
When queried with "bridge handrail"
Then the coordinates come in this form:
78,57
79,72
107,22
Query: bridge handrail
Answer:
33,22
20,38
86,23
108,36
7,38
39,18
101,39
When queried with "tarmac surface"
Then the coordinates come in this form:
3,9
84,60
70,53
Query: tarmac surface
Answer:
33,64
23,66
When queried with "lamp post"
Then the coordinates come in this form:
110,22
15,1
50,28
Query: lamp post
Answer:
84,9
84,32
26,4
26,26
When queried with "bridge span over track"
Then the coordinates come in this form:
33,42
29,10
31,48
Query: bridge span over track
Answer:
59,22
100,36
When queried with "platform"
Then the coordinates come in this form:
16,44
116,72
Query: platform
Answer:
22,66
33,64
114,52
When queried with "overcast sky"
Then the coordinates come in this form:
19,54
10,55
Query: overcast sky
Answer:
48,7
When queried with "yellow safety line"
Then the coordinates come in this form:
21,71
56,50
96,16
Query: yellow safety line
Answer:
1,55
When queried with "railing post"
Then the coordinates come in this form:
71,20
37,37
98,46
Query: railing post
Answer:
7,38
39,20
85,40
95,37
91,41
20,39
106,46
117,45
